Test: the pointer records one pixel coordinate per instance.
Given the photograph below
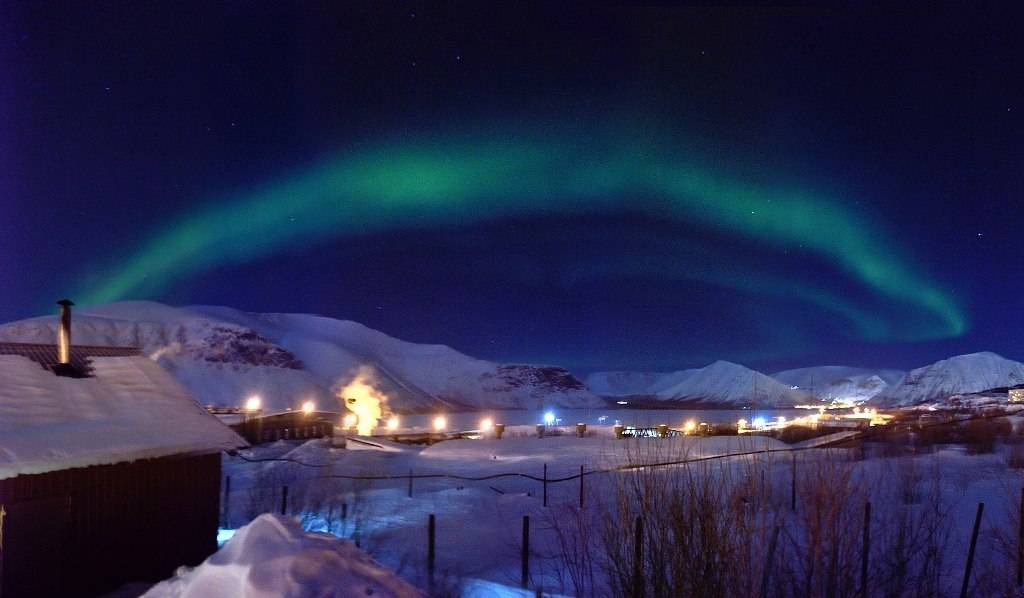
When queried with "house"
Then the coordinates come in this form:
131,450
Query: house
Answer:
109,470
298,424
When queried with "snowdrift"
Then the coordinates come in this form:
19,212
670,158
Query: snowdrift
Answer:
273,557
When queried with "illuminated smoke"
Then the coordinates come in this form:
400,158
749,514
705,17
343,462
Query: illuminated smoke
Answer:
362,399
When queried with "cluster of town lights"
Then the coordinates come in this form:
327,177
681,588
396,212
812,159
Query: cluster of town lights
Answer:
758,424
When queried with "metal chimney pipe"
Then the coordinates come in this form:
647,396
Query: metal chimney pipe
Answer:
64,334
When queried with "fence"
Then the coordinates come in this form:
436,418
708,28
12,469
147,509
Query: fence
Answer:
767,572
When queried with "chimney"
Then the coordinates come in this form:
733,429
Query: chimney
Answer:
64,334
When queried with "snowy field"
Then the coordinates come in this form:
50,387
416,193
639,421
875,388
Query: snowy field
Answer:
923,512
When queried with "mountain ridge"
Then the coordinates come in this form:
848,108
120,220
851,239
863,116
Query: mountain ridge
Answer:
223,355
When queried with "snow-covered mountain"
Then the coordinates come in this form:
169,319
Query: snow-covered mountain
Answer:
724,383
721,384
224,355
962,374
829,382
627,384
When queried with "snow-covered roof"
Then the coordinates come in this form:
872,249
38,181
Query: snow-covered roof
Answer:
130,408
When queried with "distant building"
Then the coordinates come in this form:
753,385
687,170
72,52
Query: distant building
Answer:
109,470
287,425
1016,395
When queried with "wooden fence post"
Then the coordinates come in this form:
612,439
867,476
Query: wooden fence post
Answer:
526,552
865,550
431,537
284,500
638,558
970,551
1020,541
769,561
792,487
581,486
545,484
226,514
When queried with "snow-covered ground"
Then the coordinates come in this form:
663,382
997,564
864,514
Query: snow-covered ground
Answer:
479,523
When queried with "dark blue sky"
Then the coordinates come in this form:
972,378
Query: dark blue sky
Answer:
118,121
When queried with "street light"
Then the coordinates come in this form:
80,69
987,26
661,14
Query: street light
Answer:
308,407
440,423
252,403
392,423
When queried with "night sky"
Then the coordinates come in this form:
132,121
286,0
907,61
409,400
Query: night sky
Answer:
601,188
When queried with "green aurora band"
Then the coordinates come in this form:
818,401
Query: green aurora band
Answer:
463,180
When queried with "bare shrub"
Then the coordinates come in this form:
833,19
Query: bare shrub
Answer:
909,552
795,434
700,530
1015,458
576,534
980,435
822,541
265,494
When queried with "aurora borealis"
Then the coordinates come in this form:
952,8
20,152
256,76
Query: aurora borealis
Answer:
609,188
434,184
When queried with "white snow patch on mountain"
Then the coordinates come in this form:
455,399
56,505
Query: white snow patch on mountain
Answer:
624,384
731,384
720,384
830,382
974,372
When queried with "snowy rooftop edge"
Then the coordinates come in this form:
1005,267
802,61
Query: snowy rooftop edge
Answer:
130,409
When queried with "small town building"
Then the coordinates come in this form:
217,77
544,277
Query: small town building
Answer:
286,425
109,470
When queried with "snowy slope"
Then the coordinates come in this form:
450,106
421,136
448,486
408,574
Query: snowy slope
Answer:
729,384
624,384
223,355
273,556
840,382
962,374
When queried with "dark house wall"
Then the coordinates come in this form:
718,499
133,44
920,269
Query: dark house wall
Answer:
89,530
